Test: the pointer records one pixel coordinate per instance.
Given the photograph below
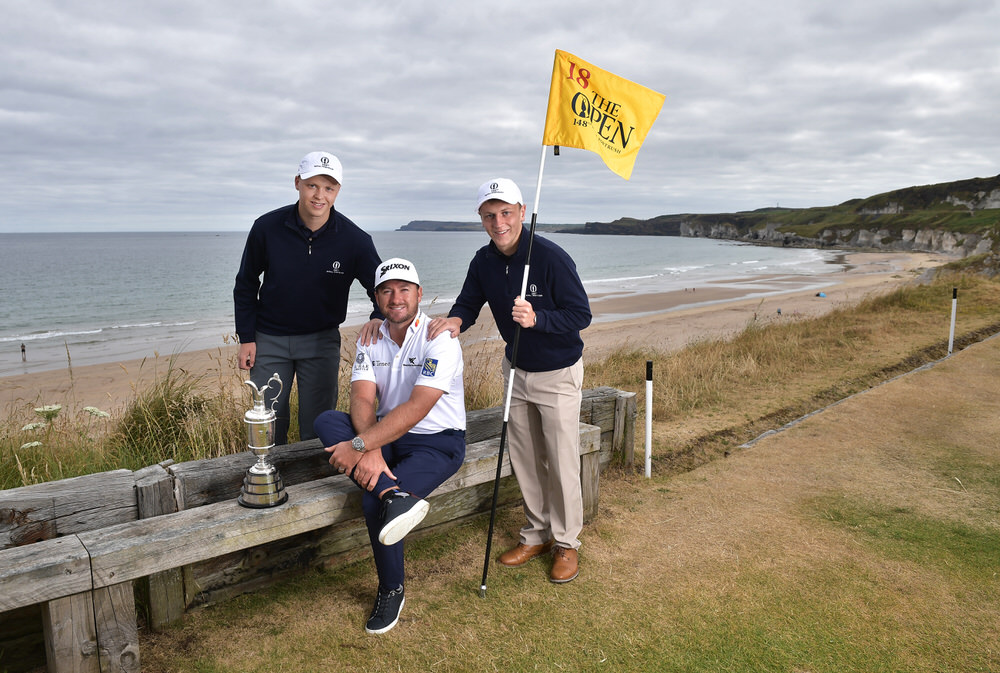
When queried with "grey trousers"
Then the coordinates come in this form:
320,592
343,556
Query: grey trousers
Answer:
313,360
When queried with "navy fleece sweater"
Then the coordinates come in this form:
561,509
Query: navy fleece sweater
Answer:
307,275
554,291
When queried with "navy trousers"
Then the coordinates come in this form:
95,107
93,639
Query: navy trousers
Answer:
421,463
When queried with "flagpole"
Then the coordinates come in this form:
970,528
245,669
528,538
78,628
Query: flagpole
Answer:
510,380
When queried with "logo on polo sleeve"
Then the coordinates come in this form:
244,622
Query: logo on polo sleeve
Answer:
359,363
430,367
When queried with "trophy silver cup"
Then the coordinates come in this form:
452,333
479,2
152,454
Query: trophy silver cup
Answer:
262,485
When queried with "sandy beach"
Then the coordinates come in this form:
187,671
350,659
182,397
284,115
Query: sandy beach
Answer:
662,321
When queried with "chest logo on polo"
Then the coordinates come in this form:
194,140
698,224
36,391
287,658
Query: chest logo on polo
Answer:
335,268
533,291
430,367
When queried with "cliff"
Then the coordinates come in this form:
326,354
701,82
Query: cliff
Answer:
433,225
956,218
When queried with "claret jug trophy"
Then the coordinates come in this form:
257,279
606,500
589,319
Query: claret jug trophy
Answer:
262,486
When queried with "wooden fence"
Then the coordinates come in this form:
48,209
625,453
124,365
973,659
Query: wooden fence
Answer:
72,551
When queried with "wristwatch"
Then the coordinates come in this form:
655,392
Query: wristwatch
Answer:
358,444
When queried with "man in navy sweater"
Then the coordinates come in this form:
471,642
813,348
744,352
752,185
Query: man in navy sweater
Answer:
545,401
289,322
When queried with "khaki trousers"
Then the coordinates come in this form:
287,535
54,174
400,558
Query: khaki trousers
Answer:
544,436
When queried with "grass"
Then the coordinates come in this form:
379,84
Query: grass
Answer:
675,579
955,548
824,550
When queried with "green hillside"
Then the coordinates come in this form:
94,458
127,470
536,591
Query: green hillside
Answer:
966,207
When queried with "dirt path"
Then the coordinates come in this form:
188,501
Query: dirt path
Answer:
925,444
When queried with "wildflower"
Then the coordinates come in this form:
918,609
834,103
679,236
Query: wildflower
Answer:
34,426
30,445
97,413
49,411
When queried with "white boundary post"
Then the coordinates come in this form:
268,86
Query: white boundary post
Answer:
954,307
649,418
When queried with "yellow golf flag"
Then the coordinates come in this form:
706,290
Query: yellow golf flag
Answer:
595,110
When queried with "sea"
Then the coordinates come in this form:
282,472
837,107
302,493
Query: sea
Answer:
74,299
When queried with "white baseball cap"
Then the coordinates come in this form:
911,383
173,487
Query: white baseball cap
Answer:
499,188
396,268
321,163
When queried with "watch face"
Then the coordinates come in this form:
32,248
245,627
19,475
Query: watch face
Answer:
358,444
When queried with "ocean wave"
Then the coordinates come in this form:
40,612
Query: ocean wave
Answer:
137,325
621,279
83,332
676,270
38,336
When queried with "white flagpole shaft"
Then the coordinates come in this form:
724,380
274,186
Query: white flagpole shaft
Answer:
524,279
510,393
538,184
954,307
649,418
534,216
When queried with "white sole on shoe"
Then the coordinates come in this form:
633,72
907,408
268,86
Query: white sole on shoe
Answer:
390,626
400,527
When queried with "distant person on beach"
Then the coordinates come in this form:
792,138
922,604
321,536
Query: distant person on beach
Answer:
24,355
405,434
544,416
289,322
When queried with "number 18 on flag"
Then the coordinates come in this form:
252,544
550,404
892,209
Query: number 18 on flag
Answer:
595,110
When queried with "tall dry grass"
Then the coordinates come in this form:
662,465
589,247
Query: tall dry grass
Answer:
180,415
718,392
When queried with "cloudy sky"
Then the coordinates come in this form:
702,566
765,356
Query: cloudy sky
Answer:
193,115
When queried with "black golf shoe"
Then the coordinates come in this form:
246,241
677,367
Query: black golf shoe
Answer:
385,613
401,512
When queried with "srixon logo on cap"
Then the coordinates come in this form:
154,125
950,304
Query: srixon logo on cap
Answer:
390,267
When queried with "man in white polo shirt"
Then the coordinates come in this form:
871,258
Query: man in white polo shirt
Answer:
405,434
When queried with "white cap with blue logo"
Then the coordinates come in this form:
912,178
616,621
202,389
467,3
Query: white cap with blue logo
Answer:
503,189
321,163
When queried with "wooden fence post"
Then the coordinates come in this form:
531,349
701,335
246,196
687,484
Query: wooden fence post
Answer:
155,495
624,433
92,631
590,469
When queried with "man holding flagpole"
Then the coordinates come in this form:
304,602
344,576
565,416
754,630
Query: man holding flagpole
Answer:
595,110
548,377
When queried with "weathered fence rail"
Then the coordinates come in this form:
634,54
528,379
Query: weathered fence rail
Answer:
68,564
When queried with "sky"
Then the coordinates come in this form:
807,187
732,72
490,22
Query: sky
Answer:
192,116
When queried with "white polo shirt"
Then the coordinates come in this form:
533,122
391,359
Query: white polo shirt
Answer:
395,370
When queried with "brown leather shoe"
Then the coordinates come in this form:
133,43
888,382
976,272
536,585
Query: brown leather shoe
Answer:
523,553
566,565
